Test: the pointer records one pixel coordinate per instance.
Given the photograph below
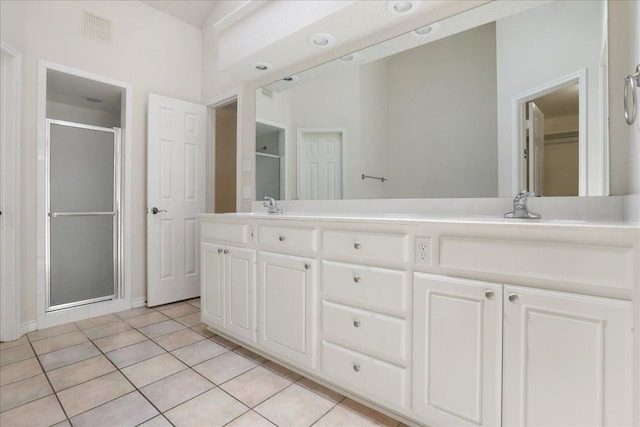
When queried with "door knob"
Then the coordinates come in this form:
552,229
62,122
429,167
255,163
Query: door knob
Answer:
513,298
155,210
489,294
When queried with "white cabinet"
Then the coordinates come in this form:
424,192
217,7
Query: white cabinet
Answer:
567,359
286,308
228,289
457,351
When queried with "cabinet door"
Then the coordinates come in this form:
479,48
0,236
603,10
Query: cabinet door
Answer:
240,293
212,284
457,351
567,359
287,315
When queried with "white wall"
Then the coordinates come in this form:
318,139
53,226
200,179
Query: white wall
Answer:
73,113
150,50
535,48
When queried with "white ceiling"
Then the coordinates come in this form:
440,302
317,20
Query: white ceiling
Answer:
73,90
192,12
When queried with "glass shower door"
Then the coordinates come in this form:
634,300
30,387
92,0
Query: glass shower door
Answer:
83,222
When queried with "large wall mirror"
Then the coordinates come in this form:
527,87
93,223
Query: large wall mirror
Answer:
506,96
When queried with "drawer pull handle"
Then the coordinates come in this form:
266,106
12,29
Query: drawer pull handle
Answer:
219,251
356,367
307,266
281,238
513,298
226,251
356,278
356,323
489,294
357,245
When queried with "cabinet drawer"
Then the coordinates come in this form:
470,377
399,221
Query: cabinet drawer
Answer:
365,375
377,246
365,331
236,233
362,285
288,238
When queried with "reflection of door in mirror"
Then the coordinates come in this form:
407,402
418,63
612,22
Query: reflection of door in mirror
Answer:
552,129
320,164
270,160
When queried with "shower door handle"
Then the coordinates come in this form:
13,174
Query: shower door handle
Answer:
155,210
57,214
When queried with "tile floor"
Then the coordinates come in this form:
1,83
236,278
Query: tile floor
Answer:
158,367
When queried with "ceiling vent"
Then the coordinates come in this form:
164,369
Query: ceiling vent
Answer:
95,27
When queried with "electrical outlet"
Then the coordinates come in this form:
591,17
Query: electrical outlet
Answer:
423,250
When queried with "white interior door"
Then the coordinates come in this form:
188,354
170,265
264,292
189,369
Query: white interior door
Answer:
535,124
176,155
319,165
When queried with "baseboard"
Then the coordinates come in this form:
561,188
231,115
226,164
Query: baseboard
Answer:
139,302
29,326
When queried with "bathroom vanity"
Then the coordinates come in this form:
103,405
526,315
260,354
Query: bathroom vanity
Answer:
443,322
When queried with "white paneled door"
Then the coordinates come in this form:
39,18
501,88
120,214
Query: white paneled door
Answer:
175,195
320,165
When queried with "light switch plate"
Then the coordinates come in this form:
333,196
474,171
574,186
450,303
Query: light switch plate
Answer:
246,165
423,250
246,192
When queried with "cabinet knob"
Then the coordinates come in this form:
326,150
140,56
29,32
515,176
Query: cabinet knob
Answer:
281,238
356,278
307,266
489,294
226,251
357,245
356,367
356,323
219,251
514,298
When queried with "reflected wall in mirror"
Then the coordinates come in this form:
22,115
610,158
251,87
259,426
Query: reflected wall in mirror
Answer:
444,113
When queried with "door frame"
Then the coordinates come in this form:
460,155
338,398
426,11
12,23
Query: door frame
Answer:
124,301
301,132
284,158
518,133
10,238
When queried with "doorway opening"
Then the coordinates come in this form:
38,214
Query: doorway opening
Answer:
271,140
223,170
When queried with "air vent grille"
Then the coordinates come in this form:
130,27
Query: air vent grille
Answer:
95,27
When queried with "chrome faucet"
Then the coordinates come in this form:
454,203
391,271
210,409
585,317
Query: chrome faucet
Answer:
520,207
271,205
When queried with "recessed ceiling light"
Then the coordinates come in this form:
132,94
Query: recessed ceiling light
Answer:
320,39
92,99
350,57
261,66
426,30
290,79
401,7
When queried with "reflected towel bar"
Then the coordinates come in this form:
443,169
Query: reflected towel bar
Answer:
381,178
57,214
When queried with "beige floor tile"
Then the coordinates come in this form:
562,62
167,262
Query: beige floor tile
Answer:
224,342
19,371
134,312
251,355
178,310
161,328
51,332
255,386
48,345
154,369
195,302
199,352
369,413
96,392
250,419
146,319
95,321
107,329
321,390
279,369
294,405
178,339
25,391
64,423
8,344
39,413
134,353
341,416
159,421
16,354
190,320
213,408
201,328
176,389
224,367
71,375
126,411
67,356
121,340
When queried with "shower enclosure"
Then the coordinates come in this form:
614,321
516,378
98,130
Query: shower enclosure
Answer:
83,223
